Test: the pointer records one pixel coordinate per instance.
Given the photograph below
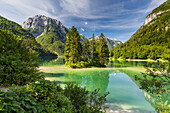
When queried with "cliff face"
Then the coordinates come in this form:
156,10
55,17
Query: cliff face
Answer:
49,33
38,25
153,16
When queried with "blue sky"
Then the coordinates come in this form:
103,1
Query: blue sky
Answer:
117,19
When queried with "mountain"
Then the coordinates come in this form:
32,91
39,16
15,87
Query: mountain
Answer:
111,43
152,40
83,39
27,38
49,33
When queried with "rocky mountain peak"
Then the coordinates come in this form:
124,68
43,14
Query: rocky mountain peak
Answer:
37,25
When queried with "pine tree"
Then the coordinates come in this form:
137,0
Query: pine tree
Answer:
92,47
103,51
67,47
87,51
73,47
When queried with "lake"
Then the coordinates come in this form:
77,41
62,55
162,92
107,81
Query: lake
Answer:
118,79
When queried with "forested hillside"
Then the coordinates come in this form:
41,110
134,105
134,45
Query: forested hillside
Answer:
150,41
27,38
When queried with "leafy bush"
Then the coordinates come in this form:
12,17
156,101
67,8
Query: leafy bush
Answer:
44,96
17,63
85,101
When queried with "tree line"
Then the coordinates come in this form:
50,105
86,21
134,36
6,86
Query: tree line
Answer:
94,52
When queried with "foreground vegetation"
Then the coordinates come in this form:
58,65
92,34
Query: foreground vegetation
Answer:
45,96
93,53
30,92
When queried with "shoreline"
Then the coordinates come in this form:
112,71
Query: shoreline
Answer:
148,60
63,67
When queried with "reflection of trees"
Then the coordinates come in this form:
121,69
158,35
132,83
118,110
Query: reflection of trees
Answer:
59,61
124,63
150,97
91,79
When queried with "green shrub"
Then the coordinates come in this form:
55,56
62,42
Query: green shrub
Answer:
85,101
18,100
48,97
17,63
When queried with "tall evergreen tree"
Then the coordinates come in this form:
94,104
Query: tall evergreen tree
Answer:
67,47
87,51
103,51
73,47
92,42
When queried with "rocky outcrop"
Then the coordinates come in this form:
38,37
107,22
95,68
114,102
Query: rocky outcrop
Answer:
38,25
153,16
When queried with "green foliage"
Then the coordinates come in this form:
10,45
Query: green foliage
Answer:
14,28
163,107
17,64
18,100
34,99
45,96
77,95
95,53
151,41
157,80
73,46
50,95
27,38
51,41
86,51
103,51
84,101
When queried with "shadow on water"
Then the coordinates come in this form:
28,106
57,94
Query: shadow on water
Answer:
53,74
124,63
59,61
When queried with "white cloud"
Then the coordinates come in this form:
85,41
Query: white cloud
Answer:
92,15
77,8
152,5
82,29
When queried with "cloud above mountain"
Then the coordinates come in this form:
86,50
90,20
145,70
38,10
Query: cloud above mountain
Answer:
115,18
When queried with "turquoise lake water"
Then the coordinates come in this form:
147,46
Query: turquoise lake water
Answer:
125,95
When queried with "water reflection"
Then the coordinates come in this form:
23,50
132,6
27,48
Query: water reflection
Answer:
91,79
124,63
125,95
